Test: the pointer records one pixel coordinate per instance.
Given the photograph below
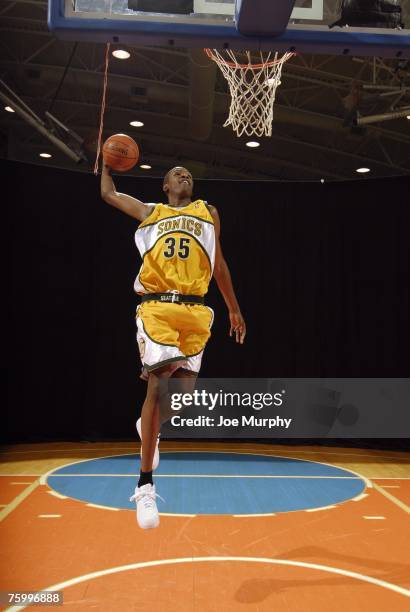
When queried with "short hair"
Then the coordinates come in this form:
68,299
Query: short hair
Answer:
165,181
169,172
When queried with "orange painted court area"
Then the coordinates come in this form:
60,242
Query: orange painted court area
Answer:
350,557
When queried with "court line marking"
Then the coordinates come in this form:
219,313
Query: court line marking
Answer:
364,478
206,476
19,483
391,487
17,500
55,494
320,508
161,562
393,499
178,515
103,507
253,515
196,449
359,497
49,515
375,518
164,452
43,478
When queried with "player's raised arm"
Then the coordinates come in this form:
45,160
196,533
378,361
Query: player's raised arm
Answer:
129,205
224,282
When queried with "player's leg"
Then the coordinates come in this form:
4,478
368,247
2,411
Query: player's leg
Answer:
145,493
160,355
157,407
150,414
158,345
181,381
169,336
157,410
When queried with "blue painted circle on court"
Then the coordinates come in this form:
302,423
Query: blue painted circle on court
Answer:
211,483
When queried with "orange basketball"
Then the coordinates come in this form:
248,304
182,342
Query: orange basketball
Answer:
120,152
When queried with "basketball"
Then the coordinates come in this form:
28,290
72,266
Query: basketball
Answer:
120,152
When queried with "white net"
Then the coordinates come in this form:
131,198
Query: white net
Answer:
252,87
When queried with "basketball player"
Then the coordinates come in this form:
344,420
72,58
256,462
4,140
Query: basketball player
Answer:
180,250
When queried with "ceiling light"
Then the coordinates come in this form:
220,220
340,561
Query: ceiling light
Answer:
253,144
145,166
362,170
9,109
121,54
136,123
45,155
407,116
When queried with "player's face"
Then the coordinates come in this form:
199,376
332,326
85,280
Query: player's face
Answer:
179,182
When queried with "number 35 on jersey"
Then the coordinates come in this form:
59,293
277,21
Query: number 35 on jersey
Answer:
177,246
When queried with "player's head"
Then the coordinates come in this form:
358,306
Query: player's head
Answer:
178,182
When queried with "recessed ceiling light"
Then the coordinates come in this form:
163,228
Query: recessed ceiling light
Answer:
121,54
145,166
9,109
253,144
136,123
362,170
45,155
407,116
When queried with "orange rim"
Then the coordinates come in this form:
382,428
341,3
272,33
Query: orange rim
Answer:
212,56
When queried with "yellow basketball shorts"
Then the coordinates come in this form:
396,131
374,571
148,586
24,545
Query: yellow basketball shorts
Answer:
169,333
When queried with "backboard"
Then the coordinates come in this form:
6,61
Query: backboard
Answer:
314,26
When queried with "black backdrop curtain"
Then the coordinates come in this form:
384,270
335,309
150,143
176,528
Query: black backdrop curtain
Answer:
321,272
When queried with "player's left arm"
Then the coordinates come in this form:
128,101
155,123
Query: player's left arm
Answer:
224,282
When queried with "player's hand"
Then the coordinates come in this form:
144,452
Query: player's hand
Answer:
238,326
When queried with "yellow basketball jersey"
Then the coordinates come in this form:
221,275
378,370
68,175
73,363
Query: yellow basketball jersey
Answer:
177,246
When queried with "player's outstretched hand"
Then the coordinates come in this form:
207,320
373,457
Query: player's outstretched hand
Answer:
238,326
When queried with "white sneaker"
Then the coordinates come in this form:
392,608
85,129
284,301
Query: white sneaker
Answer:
155,461
147,511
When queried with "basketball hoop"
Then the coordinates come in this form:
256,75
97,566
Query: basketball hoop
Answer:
252,86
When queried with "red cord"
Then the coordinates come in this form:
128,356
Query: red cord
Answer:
107,59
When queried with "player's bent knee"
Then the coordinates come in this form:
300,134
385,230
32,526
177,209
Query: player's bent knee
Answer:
156,380
161,373
184,380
